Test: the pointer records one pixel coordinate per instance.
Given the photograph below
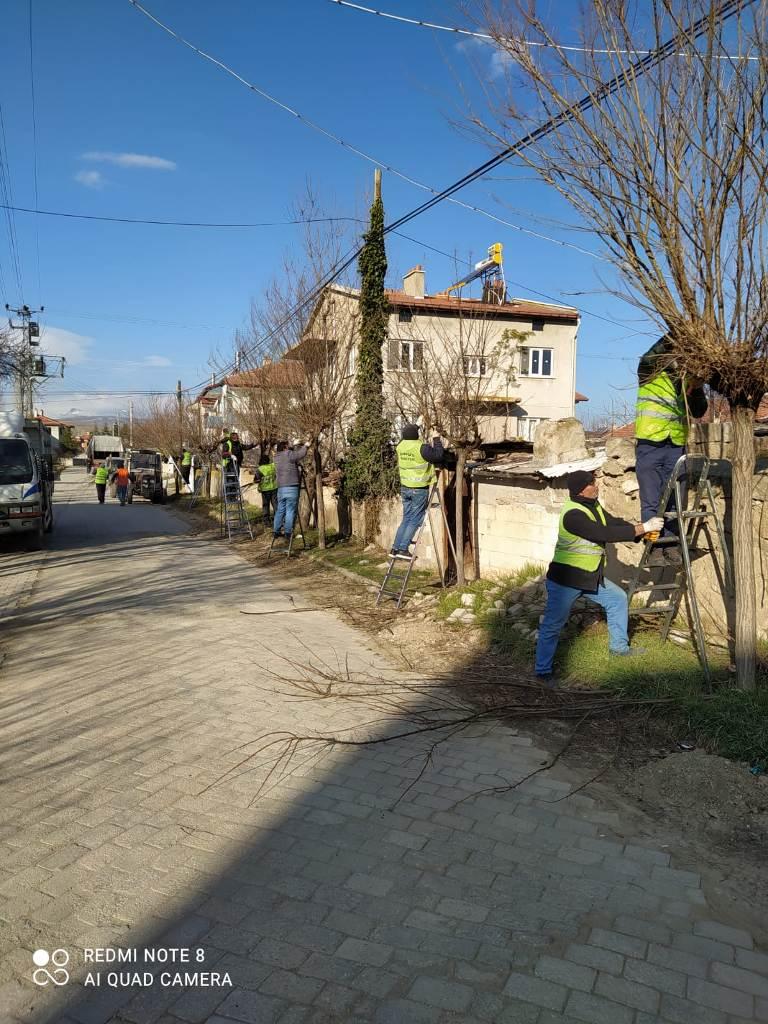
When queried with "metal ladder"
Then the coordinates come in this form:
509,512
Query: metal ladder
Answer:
692,522
200,482
233,516
396,593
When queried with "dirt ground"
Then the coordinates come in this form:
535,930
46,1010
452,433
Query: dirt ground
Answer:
711,812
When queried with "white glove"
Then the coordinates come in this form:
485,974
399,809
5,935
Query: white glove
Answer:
296,443
654,524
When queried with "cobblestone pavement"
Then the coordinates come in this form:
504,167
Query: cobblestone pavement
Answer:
354,888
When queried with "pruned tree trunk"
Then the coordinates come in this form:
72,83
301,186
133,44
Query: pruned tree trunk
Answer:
461,461
319,500
743,461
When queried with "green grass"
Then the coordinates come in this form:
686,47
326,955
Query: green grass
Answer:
371,565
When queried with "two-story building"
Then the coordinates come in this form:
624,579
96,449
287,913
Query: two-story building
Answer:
519,356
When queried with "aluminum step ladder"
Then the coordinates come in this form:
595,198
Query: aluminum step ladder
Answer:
200,486
288,548
234,520
679,583
395,584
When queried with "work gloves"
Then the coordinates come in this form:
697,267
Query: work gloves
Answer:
654,525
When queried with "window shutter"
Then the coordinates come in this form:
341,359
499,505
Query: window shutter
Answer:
393,354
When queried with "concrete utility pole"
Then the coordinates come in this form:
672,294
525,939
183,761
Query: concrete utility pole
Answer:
130,423
181,415
25,367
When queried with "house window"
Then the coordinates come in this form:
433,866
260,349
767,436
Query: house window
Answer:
537,324
475,366
405,355
351,360
405,316
536,362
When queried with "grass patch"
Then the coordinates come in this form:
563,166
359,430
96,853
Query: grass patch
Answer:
487,591
371,565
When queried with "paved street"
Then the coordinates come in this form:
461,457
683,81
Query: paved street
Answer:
327,890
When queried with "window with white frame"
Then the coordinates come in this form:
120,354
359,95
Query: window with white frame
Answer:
405,355
536,362
475,366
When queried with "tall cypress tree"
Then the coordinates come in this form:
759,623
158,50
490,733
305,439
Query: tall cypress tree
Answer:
369,472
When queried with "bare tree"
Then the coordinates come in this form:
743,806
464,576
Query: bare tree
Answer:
312,383
669,170
453,377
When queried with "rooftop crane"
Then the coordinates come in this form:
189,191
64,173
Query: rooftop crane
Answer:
491,270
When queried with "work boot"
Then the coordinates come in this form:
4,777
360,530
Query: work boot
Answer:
629,652
547,679
673,555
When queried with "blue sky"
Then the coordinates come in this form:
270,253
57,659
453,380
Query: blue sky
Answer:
132,124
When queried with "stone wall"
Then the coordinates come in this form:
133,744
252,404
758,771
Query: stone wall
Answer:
349,518
517,520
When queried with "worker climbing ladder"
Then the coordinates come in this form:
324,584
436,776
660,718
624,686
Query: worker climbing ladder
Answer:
693,522
288,548
234,519
395,584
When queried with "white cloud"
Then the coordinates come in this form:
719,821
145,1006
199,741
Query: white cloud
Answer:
143,160
91,179
55,341
156,361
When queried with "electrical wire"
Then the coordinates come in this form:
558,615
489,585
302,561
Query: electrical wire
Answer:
6,194
34,146
178,223
347,145
635,71
488,38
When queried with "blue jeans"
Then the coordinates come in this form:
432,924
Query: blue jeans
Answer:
414,509
559,602
287,503
122,494
653,467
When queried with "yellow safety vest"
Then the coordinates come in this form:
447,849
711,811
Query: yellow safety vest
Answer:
576,551
102,475
414,470
660,411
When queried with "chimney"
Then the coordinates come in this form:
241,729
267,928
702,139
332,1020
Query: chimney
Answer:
413,282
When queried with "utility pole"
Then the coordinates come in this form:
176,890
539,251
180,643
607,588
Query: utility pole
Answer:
130,423
181,414
25,370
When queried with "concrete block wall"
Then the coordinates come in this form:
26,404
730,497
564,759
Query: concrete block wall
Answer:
516,524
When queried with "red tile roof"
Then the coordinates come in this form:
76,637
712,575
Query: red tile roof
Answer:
578,397
48,422
521,308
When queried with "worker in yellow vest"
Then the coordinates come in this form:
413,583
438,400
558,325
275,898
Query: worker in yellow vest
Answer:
266,477
185,463
416,465
577,570
665,400
101,479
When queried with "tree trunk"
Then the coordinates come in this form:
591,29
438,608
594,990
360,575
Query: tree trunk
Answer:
461,460
319,499
745,632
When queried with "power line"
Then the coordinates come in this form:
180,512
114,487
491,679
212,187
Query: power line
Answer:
178,223
6,194
347,145
34,145
613,85
488,38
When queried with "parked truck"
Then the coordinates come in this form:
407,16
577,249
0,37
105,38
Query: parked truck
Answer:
100,448
26,479
146,469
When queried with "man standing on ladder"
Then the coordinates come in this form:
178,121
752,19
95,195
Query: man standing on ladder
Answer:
287,470
577,570
415,464
664,401
185,463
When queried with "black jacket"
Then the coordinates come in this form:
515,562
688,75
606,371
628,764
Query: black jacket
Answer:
656,360
580,524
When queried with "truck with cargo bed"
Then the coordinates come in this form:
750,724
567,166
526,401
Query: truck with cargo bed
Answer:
26,479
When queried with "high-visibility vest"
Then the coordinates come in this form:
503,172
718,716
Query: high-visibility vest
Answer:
660,411
268,473
227,445
186,459
123,477
414,470
102,475
576,551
